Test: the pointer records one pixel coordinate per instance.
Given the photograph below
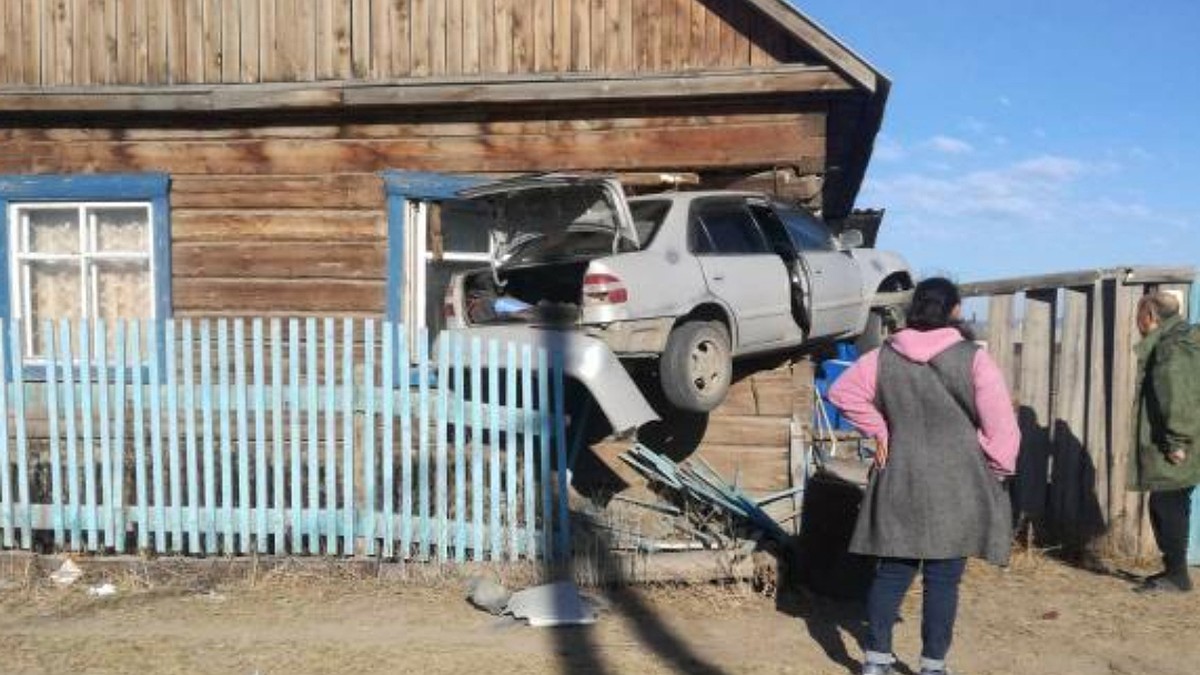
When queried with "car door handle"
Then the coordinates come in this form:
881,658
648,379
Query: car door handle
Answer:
718,277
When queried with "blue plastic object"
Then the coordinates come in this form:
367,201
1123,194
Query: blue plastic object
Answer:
828,371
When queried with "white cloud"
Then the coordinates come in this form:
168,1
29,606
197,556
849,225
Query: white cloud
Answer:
950,146
1005,101
974,126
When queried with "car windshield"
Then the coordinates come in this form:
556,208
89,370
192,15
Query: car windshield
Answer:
648,216
554,222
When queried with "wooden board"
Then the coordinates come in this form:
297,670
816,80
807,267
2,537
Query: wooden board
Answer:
280,260
348,191
1073,489
1036,366
674,148
311,226
250,296
1000,336
1098,432
1125,506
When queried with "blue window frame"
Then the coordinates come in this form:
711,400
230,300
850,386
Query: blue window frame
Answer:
84,227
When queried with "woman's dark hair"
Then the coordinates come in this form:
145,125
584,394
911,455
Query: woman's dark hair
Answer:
933,304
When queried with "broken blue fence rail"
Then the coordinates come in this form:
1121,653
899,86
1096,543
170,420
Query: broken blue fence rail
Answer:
291,437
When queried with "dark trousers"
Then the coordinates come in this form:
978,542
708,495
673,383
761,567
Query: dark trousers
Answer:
939,604
1170,516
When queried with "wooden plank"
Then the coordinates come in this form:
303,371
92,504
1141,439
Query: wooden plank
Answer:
154,62
626,36
342,37
249,47
231,41
558,34
189,226
713,25
286,31
361,49
334,296
323,39
726,13
11,58
349,192
599,31
1071,499
581,35
542,27
212,31
1098,432
761,30
283,260
455,47
1034,416
741,35
503,40
438,39
751,145
1000,336
523,23
487,36
616,58
383,60
303,39
801,30
175,23
105,43
646,26
125,29
1125,505
33,27
192,14
421,41
472,36
268,57
748,430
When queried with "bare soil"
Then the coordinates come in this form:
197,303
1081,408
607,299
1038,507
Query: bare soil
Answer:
1038,617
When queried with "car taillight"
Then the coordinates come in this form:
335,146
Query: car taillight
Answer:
604,289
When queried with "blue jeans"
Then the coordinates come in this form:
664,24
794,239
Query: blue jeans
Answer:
939,605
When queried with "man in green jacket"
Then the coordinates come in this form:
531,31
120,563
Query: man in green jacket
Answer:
1167,459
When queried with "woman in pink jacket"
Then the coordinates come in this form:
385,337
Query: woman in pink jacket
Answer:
942,420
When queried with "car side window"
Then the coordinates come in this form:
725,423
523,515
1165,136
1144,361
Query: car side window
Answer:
726,228
773,228
807,233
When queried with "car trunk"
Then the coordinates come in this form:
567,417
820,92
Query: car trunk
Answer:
543,294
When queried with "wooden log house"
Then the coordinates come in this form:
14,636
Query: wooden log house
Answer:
234,154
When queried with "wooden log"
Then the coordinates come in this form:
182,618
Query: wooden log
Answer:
747,430
741,145
346,191
249,296
212,226
284,260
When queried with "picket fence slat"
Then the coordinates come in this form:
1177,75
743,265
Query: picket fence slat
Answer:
194,437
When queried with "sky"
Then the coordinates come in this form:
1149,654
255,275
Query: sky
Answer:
1029,137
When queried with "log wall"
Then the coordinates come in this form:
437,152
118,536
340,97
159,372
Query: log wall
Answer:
89,42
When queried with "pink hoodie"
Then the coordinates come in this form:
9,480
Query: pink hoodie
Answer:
854,394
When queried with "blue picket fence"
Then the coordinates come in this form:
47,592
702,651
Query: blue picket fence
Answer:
299,436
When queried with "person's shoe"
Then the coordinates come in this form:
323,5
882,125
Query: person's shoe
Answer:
1165,584
876,669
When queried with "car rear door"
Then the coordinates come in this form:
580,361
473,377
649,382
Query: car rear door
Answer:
836,295
741,270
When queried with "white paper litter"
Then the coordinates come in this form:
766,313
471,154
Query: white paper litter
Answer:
102,591
67,573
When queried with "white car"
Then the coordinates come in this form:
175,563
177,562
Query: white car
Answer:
691,279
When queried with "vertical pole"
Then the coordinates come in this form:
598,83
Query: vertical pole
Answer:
56,505
66,353
368,444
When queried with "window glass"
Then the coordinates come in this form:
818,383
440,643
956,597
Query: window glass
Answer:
82,260
466,228
807,233
731,229
648,216
772,227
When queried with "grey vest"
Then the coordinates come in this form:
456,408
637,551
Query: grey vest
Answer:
936,498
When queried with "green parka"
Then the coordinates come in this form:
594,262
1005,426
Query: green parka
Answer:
1168,408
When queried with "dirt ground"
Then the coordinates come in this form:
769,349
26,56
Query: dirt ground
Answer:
1038,617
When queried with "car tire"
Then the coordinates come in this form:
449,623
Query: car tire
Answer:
696,366
873,334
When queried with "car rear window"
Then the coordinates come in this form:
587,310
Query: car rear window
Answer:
648,216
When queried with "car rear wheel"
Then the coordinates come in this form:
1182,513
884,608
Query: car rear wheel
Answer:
696,366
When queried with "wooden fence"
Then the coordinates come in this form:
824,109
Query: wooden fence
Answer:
1065,343
308,436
